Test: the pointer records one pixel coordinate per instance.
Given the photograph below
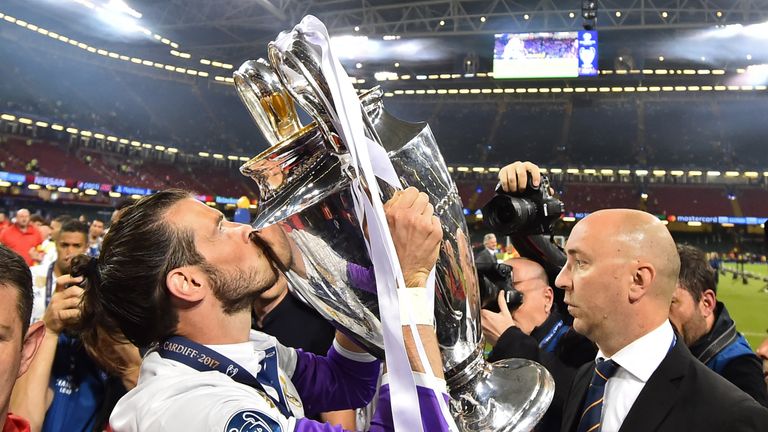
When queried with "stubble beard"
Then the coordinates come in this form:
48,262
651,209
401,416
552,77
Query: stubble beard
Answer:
694,329
238,289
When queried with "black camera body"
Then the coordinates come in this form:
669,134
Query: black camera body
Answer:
494,278
533,211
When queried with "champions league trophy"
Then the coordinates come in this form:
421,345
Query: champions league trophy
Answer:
304,183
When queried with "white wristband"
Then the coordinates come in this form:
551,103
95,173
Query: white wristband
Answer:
416,306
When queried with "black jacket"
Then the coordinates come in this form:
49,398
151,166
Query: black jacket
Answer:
744,371
681,395
297,325
485,256
571,351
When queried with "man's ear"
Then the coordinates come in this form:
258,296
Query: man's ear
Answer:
549,296
707,303
642,279
32,341
187,283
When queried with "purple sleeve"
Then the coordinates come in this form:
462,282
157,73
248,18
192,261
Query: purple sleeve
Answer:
334,382
431,416
361,277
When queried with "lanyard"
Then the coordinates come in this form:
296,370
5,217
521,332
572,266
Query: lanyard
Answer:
549,341
203,359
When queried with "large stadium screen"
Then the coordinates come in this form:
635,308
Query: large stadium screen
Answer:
545,55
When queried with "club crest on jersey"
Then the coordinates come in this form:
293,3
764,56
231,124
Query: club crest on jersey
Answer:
251,421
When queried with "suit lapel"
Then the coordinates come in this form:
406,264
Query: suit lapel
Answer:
576,397
660,393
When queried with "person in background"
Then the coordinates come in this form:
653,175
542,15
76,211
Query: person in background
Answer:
49,246
65,387
707,328
21,236
36,220
488,253
19,341
71,242
95,232
716,263
38,252
4,222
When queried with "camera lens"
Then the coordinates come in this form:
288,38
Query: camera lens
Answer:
509,214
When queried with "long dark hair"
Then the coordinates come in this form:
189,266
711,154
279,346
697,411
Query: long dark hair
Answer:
125,289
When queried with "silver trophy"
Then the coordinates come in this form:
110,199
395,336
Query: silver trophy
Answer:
304,188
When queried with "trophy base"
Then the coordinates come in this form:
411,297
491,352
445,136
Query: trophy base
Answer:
507,396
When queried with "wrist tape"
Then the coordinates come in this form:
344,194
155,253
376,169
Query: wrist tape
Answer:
416,306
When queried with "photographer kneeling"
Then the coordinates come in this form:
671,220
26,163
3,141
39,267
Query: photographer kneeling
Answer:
528,324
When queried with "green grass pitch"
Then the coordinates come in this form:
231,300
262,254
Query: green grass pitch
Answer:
748,304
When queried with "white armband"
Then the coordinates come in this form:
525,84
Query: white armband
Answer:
416,306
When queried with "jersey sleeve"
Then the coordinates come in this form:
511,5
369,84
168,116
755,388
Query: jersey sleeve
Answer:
431,416
340,380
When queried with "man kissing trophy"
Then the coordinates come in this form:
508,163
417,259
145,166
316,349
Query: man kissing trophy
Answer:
324,183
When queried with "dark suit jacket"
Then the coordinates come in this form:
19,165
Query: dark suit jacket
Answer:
484,256
681,395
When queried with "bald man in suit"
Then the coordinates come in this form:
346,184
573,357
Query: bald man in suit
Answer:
619,278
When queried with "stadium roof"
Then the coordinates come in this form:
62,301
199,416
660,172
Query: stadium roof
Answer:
233,30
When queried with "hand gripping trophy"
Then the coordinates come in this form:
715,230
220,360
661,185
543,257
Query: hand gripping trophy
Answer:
310,182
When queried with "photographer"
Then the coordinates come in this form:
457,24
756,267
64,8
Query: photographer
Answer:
707,328
534,329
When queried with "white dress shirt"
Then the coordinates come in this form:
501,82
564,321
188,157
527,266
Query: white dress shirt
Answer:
637,362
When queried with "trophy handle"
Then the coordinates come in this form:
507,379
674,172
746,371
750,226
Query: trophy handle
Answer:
270,105
299,68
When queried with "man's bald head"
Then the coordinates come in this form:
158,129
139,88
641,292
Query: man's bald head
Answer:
620,276
525,269
639,236
22,218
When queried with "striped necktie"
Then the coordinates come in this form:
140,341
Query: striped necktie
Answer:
593,404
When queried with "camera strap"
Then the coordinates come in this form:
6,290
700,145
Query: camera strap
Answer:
203,359
549,342
722,341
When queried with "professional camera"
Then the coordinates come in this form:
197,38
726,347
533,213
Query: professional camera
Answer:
494,278
532,211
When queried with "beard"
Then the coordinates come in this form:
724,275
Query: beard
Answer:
238,289
694,329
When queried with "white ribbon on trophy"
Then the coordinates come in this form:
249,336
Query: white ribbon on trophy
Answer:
369,160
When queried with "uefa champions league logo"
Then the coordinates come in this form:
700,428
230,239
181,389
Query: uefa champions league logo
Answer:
587,56
587,53
252,421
